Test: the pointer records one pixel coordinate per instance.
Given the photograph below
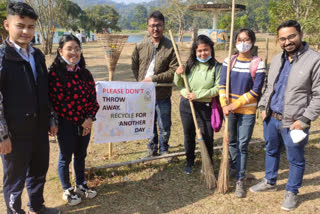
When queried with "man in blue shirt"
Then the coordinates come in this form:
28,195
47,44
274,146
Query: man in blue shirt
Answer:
288,105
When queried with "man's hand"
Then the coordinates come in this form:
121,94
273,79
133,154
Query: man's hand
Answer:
148,79
263,114
53,131
191,96
296,125
180,69
5,146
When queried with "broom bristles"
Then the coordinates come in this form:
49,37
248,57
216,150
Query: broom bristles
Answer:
207,168
223,179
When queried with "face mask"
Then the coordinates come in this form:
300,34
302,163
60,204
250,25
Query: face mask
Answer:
204,60
69,63
243,47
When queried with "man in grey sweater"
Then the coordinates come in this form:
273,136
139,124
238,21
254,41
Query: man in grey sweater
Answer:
290,102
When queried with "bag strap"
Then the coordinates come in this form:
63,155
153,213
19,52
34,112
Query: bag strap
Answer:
253,65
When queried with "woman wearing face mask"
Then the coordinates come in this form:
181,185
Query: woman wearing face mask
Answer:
203,81
246,81
73,96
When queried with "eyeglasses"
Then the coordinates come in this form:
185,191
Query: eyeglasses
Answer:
155,26
244,40
290,38
76,50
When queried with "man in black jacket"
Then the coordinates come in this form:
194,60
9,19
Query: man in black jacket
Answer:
24,113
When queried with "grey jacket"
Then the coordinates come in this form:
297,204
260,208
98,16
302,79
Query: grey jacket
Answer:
302,93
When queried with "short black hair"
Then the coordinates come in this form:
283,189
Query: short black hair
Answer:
290,23
156,15
250,33
21,9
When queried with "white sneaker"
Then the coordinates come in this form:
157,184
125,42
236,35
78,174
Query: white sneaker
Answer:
71,197
85,191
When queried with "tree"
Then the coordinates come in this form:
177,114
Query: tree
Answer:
306,12
175,12
71,16
139,17
47,11
3,13
102,17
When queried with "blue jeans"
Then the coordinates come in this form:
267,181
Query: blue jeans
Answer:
240,130
70,143
163,116
275,137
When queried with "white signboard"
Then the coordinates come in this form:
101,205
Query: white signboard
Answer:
126,111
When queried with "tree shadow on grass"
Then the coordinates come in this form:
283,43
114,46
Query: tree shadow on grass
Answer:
167,189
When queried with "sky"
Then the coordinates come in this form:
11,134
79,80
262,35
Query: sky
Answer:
131,1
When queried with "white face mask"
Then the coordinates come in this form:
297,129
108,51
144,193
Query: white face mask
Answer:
243,47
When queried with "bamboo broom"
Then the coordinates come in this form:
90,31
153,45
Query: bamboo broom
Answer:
223,179
207,168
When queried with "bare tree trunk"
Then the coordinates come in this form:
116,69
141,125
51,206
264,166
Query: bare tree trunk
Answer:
47,11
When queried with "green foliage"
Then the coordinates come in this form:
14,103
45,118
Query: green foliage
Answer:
102,17
71,16
306,12
239,22
3,13
139,17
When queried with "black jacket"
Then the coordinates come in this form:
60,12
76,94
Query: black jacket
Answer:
25,100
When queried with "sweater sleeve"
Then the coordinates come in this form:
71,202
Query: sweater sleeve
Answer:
178,80
3,124
93,105
222,84
252,95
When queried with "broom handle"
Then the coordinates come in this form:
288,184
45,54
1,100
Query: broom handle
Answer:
226,129
230,50
186,85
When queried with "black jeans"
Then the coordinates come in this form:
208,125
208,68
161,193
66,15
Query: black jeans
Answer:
71,143
203,114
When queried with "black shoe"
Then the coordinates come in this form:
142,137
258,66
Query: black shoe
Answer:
188,170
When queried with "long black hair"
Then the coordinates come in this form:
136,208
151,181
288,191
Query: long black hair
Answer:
59,65
201,39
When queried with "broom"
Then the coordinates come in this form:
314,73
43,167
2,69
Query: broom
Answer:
113,45
207,168
223,179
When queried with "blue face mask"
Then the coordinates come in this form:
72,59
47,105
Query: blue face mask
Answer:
69,63
204,60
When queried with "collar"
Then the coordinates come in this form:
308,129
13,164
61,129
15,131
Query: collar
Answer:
298,53
77,68
20,49
157,45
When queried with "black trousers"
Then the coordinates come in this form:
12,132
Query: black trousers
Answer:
203,113
26,164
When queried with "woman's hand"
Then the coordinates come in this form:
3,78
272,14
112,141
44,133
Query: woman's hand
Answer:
180,69
87,125
228,109
191,96
53,131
